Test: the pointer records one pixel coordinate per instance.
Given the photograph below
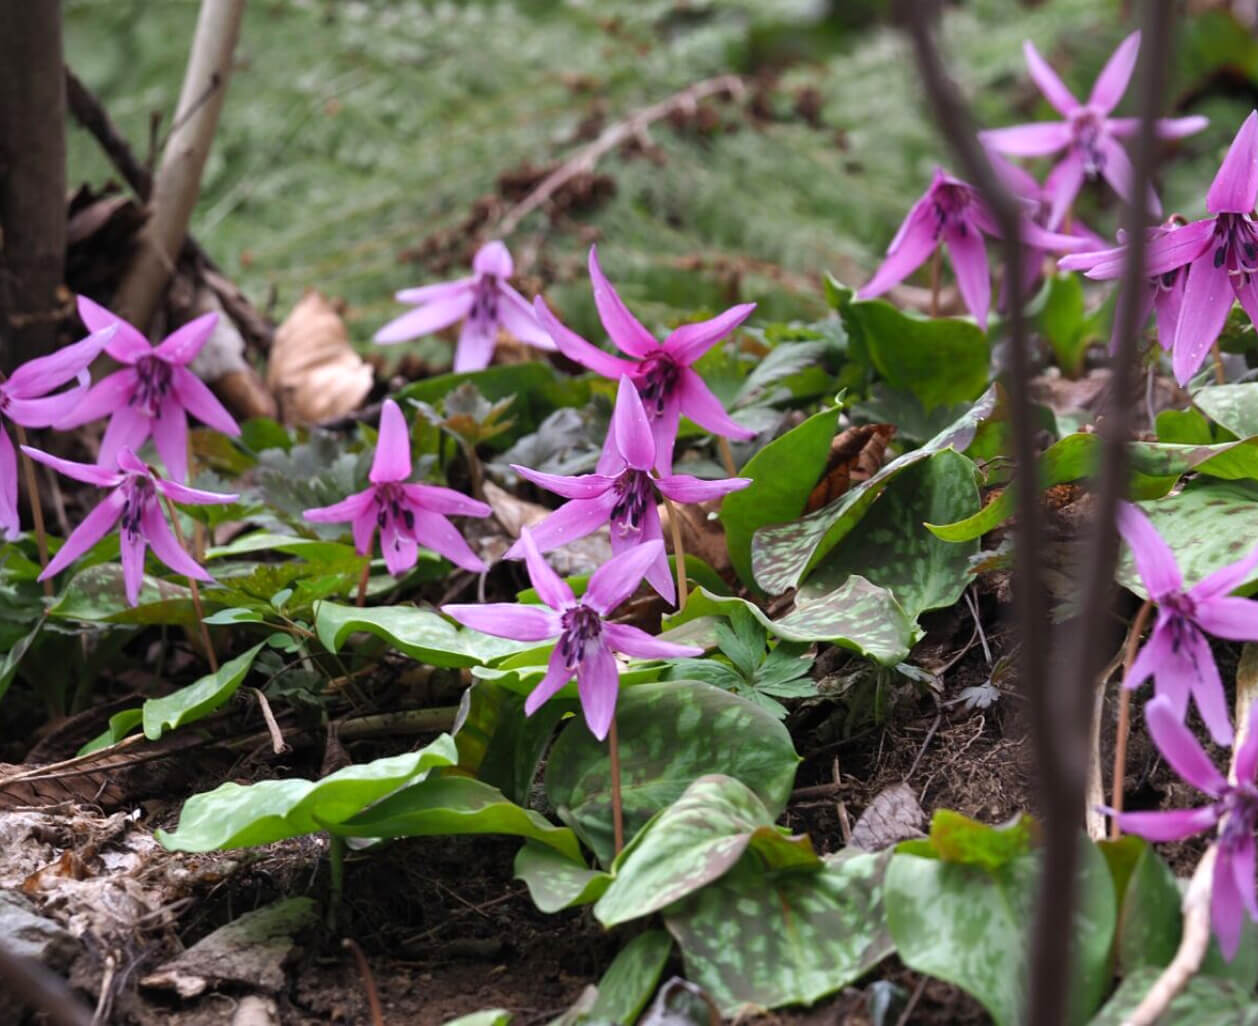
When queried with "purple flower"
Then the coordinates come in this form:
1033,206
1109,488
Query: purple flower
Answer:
24,399
953,213
586,639
408,515
136,500
622,493
1177,655
1234,806
1088,134
484,302
152,394
661,371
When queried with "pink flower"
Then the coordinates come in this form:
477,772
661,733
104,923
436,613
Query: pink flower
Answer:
622,493
136,500
1088,134
152,394
1177,654
484,303
408,515
1234,805
586,639
25,400
952,212
661,371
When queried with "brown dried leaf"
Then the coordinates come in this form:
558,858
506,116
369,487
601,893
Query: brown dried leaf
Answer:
856,454
702,534
893,816
313,371
583,556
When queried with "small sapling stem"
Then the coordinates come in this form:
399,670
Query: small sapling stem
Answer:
618,816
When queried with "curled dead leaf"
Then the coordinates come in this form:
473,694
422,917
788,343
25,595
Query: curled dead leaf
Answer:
856,454
702,533
313,372
583,556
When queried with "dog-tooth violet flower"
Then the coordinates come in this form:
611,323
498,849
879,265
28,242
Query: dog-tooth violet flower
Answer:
25,400
1177,654
1088,134
484,302
1233,810
135,504
954,214
622,493
587,640
662,371
152,394
408,515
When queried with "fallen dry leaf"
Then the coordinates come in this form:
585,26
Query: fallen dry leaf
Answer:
583,556
856,454
313,371
702,533
893,816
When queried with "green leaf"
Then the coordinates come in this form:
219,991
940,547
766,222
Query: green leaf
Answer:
1204,1001
1064,322
422,634
313,550
557,882
941,360
783,474
240,816
97,595
694,841
966,924
632,977
892,547
783,555
487,1017
197,700
671,734
755,939
1149,914
13,658
957,838
1234,407
743,640
120,725
450,805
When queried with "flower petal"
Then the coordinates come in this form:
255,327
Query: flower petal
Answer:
1112,82
445,501
691,341
1172,825
434,315
182,345
550,588
493,258
1247,754
435,291
164,545
127,345
1154,559
659,574
686,488
699,404
1062,186
1243,872
630,429
598,684
665,423
131,544
969,264
569,522
574,347
517,316
194,395
350,508
127,429
475,348
1046,79
363,526
917,240
44,373
1245,288
640,645
103,398
582,486
1178,746
613,582
392,461
435,532
170,436
625,329
1207,300
399,549
177,492
1235,187
1037,139
1226,905
1117,170
1165,128
1210,591
1207,686
557,675
515,620
88,473
1153,654
1166,307
92,528
10,522
45,412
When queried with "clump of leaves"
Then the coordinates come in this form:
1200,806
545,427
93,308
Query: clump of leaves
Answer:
748,670
467,416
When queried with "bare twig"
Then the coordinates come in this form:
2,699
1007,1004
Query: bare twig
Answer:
584,160
369,981
278,745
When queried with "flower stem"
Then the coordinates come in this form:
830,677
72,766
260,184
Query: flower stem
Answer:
618,816
192,587
727,455
362,584
1220,375
336,863
679,552
936,267
37,506
1124,717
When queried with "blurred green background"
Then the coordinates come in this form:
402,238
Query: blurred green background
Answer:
359,136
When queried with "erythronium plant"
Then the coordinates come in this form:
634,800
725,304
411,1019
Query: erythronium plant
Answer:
25,400
1177,654
587,640
408,515
484,303
622,494
1233,811
153,394
662,371
953,214
1088,134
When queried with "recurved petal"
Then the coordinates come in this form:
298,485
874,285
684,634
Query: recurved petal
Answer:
363,528
475,348
347,509
132,548
91,529
1224,581
631,429
557,675
127,428
1172,825
917,240
1247,292
625,329
88,473
436,313
1206,686
691,341
493,258
164,545
598,684
572,520
514,620
110,393
127,345
1227,915
969,263
392,461
1117,170
181,493
582,486
10,522
1247,753
1062,186
437,290
517,316
1154,653
1037,139
1207,299
1166,128
445,501
574,347
182,345
1112,82
1243,872
195,397
699,404
1153,557
686,488
45,412
435,532
550,588
1235,187
613,582
640,645
1180,748
170,437
400,550
44,373
1045,77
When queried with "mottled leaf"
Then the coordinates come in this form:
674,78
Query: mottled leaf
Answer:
1149,915
421,634
671,733
199,699
1234,407
1204,1001
556,881
97,595
630,980
488,1017
13,658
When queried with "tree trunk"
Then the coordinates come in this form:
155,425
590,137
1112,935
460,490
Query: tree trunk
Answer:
32,177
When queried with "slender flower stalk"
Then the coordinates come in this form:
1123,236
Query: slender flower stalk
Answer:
623,493
1088,134
662,371
1177,654
587,639
484,303
1233,811
407,515
135,504
153,393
